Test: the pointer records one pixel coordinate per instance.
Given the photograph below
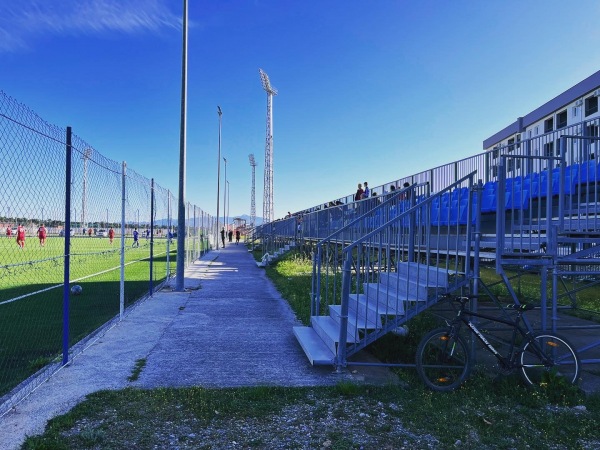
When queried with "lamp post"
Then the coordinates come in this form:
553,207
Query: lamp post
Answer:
228,204
225,193
220,113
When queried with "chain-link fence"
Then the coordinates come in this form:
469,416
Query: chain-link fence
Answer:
84,238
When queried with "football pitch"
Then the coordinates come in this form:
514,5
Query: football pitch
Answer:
31,295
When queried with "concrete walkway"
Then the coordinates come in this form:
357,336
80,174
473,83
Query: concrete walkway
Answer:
229,328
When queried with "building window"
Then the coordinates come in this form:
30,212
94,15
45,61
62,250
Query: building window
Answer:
549,125
591,105
561,119
511,145
536,130
574,111
549,149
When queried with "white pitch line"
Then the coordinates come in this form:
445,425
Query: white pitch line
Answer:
72,281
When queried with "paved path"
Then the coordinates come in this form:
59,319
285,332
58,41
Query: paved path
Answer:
229,328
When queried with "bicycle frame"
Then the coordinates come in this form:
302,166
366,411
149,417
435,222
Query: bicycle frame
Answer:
508,361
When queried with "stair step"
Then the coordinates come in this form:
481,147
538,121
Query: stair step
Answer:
315,349
381,308
359,321
407,292
436,279
329,331
415,270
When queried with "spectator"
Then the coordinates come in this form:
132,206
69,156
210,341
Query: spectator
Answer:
230,236
359,193
223,236
41,232
405,195
21,236
237,237
367,192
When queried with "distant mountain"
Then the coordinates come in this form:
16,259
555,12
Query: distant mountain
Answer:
190,222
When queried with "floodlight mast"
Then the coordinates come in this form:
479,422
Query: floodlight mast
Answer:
253,193
87,153
268,195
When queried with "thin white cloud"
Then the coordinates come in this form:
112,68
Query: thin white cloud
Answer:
23,22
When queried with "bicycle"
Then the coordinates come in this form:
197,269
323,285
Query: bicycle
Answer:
444,360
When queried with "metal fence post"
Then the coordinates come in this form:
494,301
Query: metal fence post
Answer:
122,250
152,206
169,231
68,166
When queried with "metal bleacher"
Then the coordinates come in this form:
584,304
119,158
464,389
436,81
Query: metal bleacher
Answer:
380,261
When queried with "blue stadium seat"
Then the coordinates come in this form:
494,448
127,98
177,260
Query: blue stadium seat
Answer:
589,172
490,186
435,212
543,186
531,183
519,199
453,213
488,202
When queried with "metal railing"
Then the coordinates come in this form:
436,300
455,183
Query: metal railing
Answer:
387,264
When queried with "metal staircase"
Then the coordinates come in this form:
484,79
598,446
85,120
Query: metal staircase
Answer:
366,287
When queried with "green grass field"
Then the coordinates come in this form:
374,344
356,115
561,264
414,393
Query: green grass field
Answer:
31,295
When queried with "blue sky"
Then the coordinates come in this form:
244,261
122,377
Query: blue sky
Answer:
368,90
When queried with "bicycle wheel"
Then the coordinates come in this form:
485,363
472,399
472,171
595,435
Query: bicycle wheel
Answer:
547,356
443,360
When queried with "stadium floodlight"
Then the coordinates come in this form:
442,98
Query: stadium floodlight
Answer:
220,113
268,209
225,193
253,193
87,153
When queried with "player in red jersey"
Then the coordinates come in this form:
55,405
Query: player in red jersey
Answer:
42,235
21,236
111,235
8,231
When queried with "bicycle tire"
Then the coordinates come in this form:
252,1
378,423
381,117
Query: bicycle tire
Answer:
562,359
443,361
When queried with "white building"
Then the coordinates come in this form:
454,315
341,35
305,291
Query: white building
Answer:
574,113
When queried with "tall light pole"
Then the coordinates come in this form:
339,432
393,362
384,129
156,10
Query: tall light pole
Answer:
268,209
220,113
179,276
253,193
225,193
86,155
